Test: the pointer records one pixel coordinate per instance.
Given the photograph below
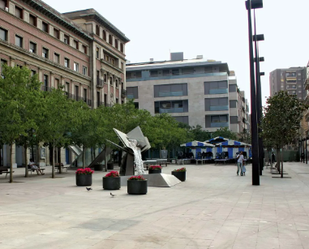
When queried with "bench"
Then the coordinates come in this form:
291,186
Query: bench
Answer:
62,167
5,170
33,170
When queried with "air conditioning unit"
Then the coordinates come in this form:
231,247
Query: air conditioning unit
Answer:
6,9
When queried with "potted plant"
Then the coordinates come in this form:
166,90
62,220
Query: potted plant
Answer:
180,173
111,181
137,185
153,169
84,177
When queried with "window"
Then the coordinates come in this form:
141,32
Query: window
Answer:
45,53
3,34
233,103
45,27
67,62
84,49
56,58
75,44
85,70
216,104
116,43
110,39
234,120
111,81
2,62
3,4
66,39
76,67
18,41
85,95
98,99
216,121
121,65
67,88
32,20
176,106
18,12
57,33
33,72
216,87
97,53
132,92
57,83
45,82
76,93
32,47
121,47
116,83
97,30
104,35
171,90
182,119
233,88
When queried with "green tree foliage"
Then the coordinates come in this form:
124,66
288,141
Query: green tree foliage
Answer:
226,133
281,122
19,95
199,134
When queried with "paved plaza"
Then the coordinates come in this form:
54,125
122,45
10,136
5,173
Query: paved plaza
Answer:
214,208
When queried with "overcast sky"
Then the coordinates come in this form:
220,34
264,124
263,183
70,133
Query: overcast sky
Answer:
216,29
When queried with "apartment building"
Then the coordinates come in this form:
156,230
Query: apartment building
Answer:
79,50
291,80
195,92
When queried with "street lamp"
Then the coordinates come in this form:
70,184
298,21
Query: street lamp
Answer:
254,4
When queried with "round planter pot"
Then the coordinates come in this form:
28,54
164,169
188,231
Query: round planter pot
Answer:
180,175
111,183
83,180
154,171
137,187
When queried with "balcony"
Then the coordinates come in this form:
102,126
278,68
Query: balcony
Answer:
219,108
219,124
100,83
218,91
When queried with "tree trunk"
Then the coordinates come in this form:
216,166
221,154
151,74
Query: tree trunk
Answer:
59,159
53,165
281,163
11,162
84,157
26,160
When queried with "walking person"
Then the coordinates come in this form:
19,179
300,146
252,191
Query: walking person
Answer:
240,162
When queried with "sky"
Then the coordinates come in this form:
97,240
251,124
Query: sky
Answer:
216,29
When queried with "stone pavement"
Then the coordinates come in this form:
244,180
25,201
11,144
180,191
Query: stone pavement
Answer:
214,208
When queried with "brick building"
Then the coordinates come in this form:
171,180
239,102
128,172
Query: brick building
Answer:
80,50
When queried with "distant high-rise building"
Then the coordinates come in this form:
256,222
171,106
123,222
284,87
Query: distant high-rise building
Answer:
291,80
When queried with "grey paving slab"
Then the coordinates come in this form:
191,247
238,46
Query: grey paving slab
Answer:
214,208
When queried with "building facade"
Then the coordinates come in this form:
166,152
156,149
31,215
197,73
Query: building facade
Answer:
291,80
195,92
81,51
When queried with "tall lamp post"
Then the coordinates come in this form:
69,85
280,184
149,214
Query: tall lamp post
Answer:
258,75
253,4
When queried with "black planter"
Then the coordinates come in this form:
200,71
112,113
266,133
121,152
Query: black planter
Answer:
110,165
154,171
98,167
83,179
137,187
181,175
111,183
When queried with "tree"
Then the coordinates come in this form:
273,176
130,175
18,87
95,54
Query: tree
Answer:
58,118
199,134
18,98
281,121
225,132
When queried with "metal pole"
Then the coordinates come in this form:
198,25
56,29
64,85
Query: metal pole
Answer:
254,137
258,98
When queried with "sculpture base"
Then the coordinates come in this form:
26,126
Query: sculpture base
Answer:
155,180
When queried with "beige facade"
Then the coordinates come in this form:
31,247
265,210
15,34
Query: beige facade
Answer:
85,55
195,92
